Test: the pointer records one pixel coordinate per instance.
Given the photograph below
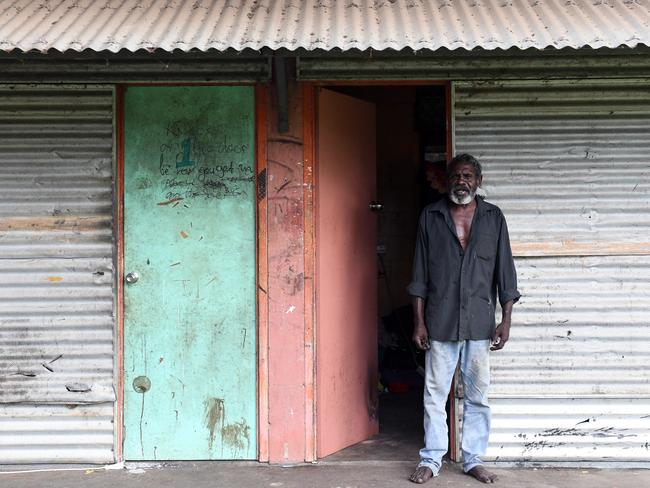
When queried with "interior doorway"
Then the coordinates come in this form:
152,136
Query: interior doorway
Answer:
411,146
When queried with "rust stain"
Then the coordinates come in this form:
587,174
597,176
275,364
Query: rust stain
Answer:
214,415
184,234
55,279
167,202
56,223
236,434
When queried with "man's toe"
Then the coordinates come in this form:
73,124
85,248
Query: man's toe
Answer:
421,474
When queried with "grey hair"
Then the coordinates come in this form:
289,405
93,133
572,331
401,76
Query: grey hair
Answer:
466,159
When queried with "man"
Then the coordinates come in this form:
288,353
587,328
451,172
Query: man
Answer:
462,259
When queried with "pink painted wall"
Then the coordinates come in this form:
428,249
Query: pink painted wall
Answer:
287,429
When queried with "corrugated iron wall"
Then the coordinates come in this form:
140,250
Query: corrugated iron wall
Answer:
56,274
568,162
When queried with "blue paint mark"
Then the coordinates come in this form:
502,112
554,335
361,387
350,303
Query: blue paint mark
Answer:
186,161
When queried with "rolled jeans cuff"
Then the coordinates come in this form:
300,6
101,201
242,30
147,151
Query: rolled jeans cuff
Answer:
432,466
467,468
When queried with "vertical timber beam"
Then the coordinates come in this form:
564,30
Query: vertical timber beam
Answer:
309,138
286,276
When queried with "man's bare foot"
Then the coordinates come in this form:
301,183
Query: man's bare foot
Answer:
421,475
482,474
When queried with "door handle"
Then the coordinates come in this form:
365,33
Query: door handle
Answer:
132,277
376,206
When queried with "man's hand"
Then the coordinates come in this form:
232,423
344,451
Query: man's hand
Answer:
421,337
500,336
502,332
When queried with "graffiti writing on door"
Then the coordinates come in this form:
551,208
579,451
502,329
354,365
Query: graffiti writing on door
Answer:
204,162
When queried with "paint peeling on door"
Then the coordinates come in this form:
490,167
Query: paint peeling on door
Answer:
171,200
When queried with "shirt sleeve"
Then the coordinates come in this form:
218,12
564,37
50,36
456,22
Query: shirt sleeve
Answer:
420,276
506,272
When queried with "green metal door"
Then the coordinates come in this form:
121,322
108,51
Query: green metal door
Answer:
190,241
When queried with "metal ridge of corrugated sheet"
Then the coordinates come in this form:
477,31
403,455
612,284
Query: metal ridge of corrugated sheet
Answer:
114,25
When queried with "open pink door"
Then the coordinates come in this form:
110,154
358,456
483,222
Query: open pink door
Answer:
346,287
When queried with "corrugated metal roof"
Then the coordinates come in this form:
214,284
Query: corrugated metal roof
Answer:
113,25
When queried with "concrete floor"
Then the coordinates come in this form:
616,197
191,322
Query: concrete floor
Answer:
357,474
400,433
382,462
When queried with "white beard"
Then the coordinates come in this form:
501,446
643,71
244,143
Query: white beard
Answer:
465,200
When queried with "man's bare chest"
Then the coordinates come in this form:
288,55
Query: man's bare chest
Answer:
462,219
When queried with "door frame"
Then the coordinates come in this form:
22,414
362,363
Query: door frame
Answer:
310,195
261,266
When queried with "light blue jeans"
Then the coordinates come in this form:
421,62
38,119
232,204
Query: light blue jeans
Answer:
441,361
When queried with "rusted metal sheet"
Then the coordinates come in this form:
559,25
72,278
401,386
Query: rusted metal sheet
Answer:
112,25
568,163
56,268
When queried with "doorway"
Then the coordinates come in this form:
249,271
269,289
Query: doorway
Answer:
376,192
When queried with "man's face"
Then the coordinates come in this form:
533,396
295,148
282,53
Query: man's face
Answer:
463,183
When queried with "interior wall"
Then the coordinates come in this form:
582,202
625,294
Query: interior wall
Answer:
398,162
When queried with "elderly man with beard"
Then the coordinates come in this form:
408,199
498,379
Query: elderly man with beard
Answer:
462,261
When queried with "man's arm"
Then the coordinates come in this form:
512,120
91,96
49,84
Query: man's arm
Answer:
506,286
420,335
418,286
502,332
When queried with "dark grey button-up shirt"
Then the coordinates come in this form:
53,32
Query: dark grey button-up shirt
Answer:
460,287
